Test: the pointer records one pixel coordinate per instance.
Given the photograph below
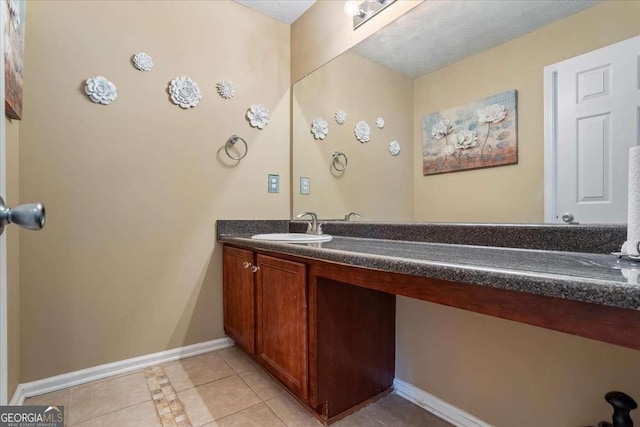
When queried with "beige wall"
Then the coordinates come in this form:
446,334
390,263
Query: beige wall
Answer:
375,184
324,32
127,264
509,374
13,257
509,193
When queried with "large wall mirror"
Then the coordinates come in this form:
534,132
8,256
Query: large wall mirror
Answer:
441,54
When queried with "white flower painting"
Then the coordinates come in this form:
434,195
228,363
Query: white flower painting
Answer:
480,134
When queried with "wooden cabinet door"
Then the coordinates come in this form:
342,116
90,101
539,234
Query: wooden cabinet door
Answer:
281,327
239,297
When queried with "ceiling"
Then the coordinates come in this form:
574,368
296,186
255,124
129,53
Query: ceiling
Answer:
438,33
286,11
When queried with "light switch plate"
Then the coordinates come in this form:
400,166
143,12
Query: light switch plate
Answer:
273,184
305,185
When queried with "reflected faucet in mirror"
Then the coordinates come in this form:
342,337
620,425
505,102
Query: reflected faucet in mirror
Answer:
348,216
313,226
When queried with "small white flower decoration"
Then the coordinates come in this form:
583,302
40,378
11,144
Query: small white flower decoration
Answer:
226,89
492,114
394,148
441,129
340,117
100,90
142,61
379,122
184,92
258,116
319,128
465,139
362,131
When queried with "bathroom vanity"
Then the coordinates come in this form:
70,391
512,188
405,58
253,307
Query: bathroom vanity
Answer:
320,318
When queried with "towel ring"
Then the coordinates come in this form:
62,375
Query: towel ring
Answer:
336,161
232,142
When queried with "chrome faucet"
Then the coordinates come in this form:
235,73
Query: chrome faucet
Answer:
313,226
348,216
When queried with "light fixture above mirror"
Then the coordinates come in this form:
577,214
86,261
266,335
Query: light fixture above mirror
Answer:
362,11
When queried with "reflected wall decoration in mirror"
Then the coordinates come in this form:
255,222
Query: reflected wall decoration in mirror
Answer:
478,135
362,131
440,54
319,128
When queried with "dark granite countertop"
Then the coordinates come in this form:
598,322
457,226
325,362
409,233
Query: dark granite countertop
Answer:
586,277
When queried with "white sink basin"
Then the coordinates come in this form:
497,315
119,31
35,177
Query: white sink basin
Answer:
292,237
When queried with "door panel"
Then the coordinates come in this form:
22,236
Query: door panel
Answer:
239,297
593,145
281,339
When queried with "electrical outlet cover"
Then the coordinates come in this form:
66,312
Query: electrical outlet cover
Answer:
273,184
305,185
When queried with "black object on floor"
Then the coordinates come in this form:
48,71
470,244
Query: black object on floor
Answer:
622,404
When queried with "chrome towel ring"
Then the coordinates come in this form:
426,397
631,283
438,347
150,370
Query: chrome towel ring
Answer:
339,161
231,142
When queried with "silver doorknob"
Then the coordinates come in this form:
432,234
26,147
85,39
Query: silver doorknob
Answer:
30,216
255,268
567,217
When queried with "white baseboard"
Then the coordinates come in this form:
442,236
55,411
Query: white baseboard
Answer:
436,406
71,379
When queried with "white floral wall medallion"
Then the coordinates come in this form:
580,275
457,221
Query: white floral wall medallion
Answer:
340,117
362,131
226,89
319,128
184,92
142,61
394,148
258,116
100,90
379,122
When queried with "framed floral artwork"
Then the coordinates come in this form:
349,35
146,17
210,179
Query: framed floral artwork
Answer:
13,56
477,135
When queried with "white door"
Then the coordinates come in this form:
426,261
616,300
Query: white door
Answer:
592,105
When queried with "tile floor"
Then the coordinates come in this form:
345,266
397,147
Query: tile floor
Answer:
218,389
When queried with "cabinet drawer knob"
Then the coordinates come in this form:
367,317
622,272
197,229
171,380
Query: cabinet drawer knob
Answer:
246,264
254,269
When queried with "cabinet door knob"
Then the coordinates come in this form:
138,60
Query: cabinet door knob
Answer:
246,264
254,269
